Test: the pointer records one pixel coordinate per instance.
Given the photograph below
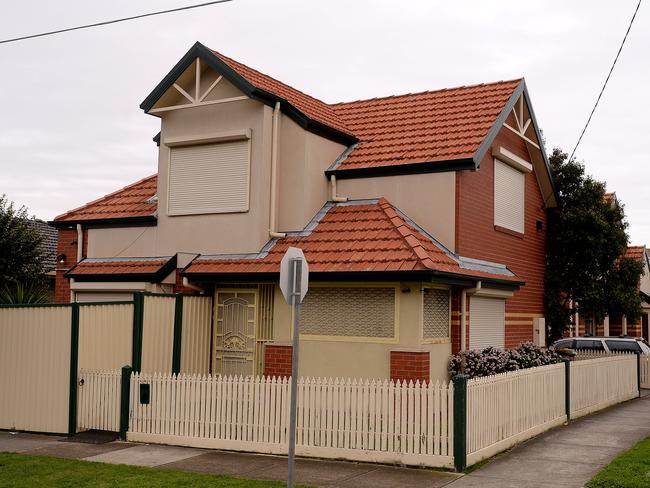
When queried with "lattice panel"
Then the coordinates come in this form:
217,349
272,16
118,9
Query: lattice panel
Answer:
349,312
436,314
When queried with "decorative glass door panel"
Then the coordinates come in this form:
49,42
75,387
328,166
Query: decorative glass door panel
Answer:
234,340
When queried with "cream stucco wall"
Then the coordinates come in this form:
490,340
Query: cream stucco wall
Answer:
209,233
363,359
428,199
303,187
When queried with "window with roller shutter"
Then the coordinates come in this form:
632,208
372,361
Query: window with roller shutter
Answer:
487,322
209,178
509,195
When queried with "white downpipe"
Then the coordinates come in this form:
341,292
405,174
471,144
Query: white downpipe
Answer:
624,325
605,326
463,313
335,197
274,170
80,242
187,284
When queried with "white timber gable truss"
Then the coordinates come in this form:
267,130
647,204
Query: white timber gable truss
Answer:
522,122
199,85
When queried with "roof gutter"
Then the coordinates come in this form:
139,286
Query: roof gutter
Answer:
145,220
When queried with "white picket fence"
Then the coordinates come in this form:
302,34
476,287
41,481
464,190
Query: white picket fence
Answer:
376,421
508,408
645,371
602,381
98,400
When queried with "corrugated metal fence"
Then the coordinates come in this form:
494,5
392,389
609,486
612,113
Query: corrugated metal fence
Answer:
45,348
35,368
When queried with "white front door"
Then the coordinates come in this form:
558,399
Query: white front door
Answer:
234,332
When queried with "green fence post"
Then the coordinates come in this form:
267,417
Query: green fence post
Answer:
567,389
138,316
638,372
460,422
74,366
178,334
125,394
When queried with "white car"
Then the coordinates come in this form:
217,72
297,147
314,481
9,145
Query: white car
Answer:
604,344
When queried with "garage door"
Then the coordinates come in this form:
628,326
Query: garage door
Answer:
487,322
103,296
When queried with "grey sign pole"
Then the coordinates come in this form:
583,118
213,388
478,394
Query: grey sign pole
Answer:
296,273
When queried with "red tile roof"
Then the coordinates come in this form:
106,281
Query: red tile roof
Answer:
431,126
122,266
130,201
310,106
635,252
352,237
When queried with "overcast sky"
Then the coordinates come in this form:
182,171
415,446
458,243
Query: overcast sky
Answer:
71,128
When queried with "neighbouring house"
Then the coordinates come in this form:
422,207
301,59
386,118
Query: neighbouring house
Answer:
48,251
614,326
422,217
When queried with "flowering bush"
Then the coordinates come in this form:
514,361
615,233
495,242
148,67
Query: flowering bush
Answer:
491,360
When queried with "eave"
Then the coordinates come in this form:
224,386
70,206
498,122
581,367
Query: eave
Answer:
420,276
139,221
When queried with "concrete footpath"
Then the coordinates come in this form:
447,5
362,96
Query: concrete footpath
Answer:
564,457
568,456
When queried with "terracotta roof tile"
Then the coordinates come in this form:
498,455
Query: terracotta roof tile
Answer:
422,127
635,252
121,266
130,201
310,106
345,240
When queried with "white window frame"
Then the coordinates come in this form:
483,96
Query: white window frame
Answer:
217,138
434,340
522,170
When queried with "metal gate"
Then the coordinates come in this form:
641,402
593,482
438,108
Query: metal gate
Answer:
234,340
98,400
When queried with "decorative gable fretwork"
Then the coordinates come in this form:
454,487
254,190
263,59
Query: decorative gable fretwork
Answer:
198,85
521,122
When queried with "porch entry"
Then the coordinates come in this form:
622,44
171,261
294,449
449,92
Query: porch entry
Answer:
243,318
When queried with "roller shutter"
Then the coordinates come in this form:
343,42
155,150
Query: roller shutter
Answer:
487,322
209,178
509,197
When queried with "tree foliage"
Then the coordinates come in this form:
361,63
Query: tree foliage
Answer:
586,237
21,259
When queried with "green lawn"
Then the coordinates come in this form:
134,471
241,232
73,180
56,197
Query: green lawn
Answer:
629,470
19,470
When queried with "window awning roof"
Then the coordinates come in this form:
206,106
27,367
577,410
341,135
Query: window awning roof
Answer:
149,269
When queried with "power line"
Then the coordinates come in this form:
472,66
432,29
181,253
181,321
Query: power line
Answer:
606,80
115,21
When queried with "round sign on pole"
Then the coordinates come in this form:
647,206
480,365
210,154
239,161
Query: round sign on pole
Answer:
287,276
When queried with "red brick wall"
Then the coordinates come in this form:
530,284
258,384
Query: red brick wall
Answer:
409,366
476,237
277,360
455,320
178,286
67,244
